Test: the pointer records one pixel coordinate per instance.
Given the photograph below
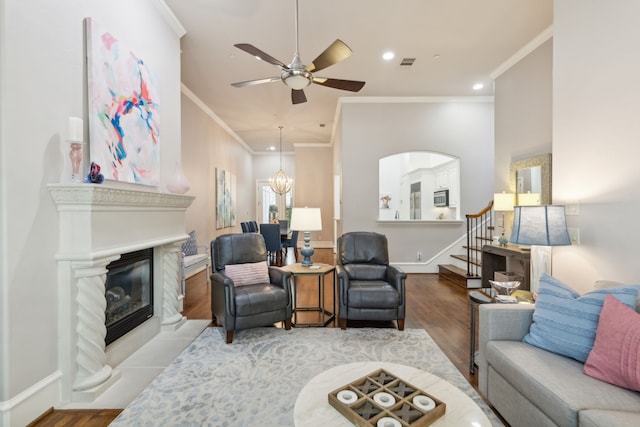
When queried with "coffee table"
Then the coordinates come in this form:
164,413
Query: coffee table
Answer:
312,406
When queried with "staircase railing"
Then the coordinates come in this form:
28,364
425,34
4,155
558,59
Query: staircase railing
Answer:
479,231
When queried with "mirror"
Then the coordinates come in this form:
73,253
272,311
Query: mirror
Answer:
530,180
409,183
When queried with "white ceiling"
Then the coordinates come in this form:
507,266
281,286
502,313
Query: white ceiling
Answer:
456,43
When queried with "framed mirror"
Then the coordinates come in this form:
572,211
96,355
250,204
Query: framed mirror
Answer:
530,180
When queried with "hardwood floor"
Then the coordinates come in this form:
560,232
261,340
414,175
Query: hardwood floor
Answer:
438,306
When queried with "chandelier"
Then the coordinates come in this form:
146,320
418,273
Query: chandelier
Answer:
280,183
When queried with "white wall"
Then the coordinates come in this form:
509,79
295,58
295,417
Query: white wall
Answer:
371,130
596,130
206,145
523,112
42,83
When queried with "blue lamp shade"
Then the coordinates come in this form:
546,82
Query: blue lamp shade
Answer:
540,226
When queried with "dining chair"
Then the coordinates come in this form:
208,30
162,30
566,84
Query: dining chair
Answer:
291,242
271,234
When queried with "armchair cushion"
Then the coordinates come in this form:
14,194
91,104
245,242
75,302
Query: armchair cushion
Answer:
364,294
251,273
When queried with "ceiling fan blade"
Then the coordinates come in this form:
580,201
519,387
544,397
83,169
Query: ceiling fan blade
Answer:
252,50
256,82
298,96
350,85
338,51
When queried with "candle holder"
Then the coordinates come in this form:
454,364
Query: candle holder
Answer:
75,155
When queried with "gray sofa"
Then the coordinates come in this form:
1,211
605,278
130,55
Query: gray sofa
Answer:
529,386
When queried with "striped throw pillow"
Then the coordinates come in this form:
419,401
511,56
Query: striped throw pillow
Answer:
565,322
251,273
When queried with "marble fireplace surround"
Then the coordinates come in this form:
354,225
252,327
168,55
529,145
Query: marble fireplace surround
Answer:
98,223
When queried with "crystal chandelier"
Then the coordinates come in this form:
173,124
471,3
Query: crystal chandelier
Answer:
280,183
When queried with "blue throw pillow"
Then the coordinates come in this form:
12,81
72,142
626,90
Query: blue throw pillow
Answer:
565,322
190,247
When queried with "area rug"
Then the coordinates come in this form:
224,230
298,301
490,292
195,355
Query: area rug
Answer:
255,380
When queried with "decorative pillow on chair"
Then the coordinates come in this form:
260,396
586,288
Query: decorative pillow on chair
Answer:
190,246
615,356
251,273
565,322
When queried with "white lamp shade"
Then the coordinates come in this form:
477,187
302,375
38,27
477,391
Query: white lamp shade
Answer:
306,219
503,201
540,225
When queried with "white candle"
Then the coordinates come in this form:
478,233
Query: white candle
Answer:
75,129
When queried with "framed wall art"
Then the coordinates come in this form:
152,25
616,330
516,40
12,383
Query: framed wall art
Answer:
124,116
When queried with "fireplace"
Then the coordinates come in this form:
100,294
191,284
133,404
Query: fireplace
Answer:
129,293
98,224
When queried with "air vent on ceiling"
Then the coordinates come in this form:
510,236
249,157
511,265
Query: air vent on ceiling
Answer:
408,62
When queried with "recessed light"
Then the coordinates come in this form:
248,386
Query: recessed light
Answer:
271,148
478,86
388,56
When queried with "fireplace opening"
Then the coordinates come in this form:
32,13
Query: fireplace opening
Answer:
129,293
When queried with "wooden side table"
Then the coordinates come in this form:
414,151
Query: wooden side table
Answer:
506,258
320,271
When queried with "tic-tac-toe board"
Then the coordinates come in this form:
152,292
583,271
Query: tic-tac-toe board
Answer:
381,399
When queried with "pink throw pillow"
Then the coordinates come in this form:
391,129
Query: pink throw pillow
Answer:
252,273
615,357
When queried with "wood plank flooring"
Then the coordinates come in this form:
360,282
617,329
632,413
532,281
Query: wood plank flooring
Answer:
437,306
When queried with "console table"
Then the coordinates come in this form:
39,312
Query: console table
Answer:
506,258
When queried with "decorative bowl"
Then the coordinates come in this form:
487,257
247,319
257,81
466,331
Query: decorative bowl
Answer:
504,288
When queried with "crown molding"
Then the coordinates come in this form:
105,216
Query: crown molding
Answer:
523,52
170,18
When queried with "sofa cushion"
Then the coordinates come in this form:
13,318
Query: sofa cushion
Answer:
251,273
565,322
554,383
604,418
616,352
190,247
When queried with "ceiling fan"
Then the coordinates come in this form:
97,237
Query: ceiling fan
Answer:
297,76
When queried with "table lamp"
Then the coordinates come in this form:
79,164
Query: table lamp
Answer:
503,202
541,227
306,220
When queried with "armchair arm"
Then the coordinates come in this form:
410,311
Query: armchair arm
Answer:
280,277
343,288
396,277
223,294
509,322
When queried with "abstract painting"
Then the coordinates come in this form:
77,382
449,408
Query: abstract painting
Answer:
124,117
225,197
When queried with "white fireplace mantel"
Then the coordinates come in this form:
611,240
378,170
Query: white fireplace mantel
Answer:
98,223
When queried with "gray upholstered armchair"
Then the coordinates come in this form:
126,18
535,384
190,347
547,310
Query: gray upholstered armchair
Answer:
245,291
369,288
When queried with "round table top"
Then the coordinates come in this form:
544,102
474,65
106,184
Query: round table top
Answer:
312,407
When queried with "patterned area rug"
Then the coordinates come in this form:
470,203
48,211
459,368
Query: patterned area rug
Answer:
255,380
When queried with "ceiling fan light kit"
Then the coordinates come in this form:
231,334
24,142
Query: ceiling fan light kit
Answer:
296,75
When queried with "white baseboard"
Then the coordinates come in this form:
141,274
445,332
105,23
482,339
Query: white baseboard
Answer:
32,402
416,267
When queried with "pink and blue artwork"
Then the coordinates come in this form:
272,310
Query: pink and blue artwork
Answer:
124,117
